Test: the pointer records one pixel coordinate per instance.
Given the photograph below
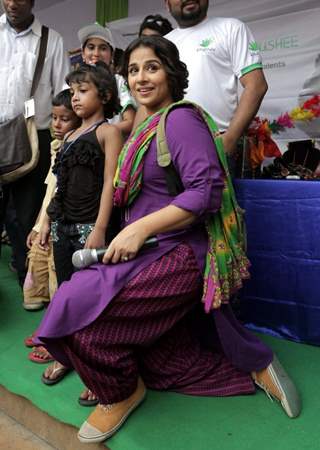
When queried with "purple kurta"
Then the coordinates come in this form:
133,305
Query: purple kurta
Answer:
81,300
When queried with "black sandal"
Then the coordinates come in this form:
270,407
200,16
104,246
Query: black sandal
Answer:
87,402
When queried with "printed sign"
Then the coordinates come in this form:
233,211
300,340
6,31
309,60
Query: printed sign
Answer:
290,48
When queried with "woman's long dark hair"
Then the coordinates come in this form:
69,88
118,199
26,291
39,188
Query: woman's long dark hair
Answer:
102,77
168,54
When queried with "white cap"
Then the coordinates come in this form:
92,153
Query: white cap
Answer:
95,31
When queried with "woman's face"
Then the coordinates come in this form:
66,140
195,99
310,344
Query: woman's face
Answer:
148,80
95,50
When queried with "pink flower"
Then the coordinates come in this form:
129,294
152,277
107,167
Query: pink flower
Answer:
285,121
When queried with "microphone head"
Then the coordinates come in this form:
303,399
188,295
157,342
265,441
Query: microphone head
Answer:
82,258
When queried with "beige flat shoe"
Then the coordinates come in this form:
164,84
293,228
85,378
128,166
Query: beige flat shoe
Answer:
277,384
107,419
35,306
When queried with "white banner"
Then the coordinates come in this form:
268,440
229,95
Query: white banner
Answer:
290,47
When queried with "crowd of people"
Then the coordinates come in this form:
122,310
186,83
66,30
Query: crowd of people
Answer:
132,160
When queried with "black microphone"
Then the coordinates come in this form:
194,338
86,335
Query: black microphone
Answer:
88,256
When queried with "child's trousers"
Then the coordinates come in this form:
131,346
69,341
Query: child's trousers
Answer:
41,281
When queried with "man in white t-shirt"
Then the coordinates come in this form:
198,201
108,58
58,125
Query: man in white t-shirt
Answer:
219,52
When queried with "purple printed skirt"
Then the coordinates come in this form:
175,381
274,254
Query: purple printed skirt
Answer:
148,330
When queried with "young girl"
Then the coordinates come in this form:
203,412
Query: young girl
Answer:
80,212
97,45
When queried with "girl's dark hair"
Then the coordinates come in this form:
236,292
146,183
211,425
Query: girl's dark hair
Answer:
168,54
157,23
101,76
63,99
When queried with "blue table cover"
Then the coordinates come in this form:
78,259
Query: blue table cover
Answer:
283,231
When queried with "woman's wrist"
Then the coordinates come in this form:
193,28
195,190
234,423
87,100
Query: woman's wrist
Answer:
139,228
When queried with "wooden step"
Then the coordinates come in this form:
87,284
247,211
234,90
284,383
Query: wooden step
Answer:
59,435
14,436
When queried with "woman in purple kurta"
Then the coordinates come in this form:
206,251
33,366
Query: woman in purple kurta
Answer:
79,302
132,319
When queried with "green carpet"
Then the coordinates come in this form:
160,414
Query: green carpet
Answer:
166,421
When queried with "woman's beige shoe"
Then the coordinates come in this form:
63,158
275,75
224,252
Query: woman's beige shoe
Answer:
107,419
34,306
277,384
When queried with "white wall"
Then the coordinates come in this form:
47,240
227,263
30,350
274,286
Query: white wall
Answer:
67,17
145,7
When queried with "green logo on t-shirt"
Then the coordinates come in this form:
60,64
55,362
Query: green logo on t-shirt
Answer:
206,42
253,46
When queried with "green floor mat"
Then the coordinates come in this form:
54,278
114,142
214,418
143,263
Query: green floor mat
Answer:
166,421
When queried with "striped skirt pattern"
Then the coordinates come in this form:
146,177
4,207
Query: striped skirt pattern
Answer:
145,330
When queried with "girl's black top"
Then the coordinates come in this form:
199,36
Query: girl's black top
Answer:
80,170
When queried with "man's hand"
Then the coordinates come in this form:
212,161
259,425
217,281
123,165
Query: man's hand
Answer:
229,143
255,87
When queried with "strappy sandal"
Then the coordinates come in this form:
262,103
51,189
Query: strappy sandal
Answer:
40,355
85,401
59,373
28,341
5,238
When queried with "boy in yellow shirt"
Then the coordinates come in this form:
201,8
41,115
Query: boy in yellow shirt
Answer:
40,282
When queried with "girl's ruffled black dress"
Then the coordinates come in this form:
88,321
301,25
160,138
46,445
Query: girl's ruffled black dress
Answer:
79,168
